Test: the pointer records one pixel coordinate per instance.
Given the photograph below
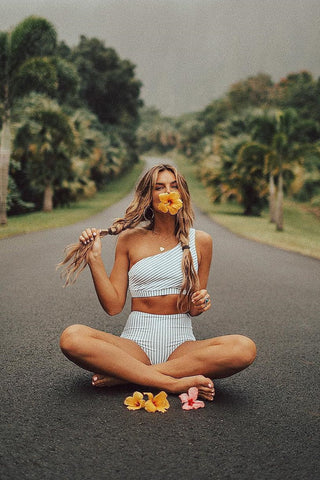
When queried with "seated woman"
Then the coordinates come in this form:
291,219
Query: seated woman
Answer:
165,263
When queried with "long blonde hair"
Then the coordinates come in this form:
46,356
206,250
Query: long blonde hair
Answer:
76,255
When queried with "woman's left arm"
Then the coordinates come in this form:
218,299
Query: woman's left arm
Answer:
201,299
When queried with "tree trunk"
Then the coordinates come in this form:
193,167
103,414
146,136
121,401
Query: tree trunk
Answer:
279,215
272,199
48,199
5,152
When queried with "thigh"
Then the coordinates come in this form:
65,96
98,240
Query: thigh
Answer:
193,346
129,346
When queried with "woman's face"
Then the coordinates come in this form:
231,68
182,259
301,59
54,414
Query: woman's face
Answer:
166,183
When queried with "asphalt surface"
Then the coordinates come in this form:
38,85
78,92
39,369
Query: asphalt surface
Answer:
263,424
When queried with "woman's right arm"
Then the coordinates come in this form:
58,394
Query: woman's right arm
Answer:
111,290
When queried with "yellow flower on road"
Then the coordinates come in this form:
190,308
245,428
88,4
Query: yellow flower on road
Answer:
135,402
170,202
159,403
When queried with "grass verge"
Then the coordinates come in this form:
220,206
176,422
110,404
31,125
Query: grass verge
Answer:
301,228
76,212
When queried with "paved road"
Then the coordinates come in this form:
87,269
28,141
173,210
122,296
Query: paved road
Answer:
263,423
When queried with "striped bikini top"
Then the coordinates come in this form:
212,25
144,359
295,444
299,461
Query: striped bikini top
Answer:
161,274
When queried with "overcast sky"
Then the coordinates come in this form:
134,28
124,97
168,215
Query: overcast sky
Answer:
188,52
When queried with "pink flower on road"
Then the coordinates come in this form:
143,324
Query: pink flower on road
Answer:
189,400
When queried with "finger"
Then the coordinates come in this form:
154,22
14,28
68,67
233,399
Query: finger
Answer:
199,293
206,304
197,297
84,237
88,235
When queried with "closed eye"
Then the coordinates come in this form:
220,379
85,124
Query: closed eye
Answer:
159,186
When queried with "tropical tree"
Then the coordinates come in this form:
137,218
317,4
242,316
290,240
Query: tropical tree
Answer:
24,66
248,176
287,140
102,152
263,129
45,142
156,131
108,84
251,92
235,170
301,92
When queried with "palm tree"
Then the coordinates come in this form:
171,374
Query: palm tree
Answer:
23,67
248,175
278,131
263,129
45,141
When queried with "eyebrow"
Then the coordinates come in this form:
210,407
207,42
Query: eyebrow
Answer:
159,183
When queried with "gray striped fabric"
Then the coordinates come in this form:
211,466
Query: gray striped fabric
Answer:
158,335
160,274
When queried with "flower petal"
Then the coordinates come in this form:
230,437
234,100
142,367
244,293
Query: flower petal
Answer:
163,197
162,207
172,209
158,403
160,398
193,393
138,396
134,407
150,406
174,196
135,402
198,404
161,401
184,397
186,406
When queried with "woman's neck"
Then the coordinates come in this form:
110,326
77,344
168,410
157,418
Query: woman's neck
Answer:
164,224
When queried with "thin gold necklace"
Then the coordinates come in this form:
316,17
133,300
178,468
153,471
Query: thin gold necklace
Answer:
163,241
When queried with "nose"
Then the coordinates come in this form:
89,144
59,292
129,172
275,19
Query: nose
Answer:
168,189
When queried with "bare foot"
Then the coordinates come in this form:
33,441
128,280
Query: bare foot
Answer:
205,395
106,381
204,385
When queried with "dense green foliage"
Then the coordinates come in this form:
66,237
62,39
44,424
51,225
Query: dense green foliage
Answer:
259,141
72,112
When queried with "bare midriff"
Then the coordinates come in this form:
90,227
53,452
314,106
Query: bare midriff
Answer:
161,305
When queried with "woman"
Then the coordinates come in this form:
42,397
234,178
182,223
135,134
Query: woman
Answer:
165,263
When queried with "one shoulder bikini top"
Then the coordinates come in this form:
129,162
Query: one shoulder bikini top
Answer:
161,274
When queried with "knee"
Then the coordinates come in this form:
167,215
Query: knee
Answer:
245,349
70,339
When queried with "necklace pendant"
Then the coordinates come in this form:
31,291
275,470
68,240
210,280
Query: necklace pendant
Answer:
161,249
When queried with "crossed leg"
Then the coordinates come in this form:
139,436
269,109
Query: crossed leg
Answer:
118,360
218,357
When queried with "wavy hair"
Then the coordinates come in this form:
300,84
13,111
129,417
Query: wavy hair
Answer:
76,254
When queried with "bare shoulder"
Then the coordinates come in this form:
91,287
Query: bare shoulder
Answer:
203,240
130,236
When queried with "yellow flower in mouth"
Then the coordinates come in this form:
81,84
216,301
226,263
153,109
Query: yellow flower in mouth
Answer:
170,202
159,403
135,402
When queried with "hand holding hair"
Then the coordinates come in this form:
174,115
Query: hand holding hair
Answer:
77,254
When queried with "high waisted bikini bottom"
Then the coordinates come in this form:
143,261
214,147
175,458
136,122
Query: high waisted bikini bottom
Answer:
158,335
